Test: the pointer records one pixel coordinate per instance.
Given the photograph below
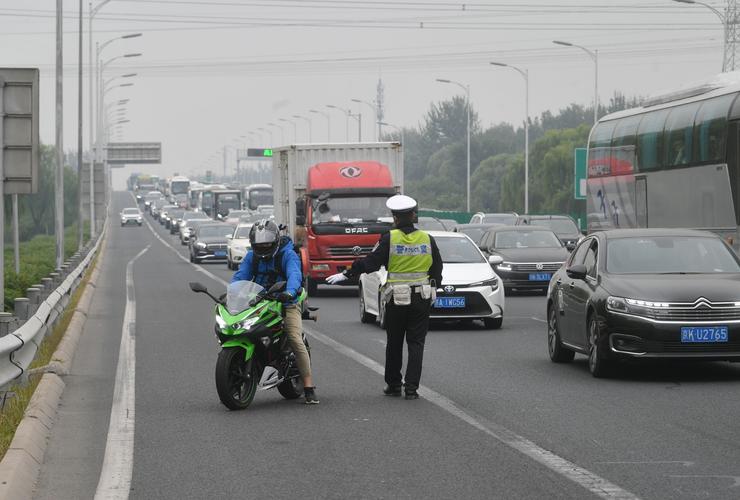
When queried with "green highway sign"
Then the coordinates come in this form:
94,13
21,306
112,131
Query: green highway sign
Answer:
259,153
579,176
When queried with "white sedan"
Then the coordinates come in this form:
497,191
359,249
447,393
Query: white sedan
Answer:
470,289
238,246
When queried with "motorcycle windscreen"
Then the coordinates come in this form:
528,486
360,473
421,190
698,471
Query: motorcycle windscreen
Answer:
240,295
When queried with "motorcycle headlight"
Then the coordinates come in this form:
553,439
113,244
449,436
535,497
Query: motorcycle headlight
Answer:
220,322
247,323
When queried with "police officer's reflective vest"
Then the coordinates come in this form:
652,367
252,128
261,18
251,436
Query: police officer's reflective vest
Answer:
410,257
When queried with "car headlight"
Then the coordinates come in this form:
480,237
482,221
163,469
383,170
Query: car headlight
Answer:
504,266
493,283
200,245
616,304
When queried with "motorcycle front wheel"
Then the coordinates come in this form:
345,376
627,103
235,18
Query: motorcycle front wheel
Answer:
236,379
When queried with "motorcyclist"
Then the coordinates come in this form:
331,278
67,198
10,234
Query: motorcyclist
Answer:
272,259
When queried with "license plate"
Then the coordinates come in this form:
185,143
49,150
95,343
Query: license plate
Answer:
693,334
449,302
220,253
540,276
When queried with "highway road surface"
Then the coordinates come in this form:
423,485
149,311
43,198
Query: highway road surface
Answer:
140,416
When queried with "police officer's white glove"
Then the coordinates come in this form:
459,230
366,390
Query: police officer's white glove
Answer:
336,278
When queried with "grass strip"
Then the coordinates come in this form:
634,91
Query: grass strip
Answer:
14,402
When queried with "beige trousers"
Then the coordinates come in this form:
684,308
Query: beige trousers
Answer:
293,326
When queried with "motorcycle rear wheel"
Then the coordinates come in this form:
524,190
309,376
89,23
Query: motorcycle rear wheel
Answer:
235,383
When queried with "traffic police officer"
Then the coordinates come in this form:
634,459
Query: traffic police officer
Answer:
414,269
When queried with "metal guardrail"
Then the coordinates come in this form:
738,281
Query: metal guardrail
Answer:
18,348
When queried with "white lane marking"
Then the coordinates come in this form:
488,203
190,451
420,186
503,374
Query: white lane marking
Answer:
538,319
735,479
118,464
685,463
585,478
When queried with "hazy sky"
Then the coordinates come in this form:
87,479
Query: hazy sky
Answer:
213,71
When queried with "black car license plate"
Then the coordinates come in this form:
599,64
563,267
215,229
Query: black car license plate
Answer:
540,276
449,302
702,334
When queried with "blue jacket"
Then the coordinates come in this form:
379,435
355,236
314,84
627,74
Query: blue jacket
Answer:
291,271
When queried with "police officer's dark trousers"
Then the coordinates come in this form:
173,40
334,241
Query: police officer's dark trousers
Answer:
411,322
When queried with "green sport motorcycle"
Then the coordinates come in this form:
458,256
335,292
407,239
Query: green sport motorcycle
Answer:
255,353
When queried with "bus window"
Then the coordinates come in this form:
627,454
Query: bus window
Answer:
650,141
599,152
678,136
623,145
710,129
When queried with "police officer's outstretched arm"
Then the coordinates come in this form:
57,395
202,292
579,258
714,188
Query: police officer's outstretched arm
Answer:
244,273
371,263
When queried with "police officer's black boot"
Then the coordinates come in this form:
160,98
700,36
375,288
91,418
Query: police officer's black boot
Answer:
392,390
411,393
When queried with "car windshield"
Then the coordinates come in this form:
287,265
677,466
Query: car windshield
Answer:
242,232
558,226
526,239
670,255
259,197
219,231
430,224
474,233
457,250
131,211
350,210
505,219
240,295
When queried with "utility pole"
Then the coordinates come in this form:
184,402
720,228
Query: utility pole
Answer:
729,20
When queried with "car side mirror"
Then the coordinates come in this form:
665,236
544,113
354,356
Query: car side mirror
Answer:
495,260
571,245
576,271
229,236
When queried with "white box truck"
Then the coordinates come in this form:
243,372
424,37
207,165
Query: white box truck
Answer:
332,198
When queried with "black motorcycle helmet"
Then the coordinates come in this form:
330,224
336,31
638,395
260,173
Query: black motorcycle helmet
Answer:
264,238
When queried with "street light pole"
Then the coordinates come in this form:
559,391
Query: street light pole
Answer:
525,75
295,128
307,120
375,111
59,177
594,55
348,114
466,89
328,122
